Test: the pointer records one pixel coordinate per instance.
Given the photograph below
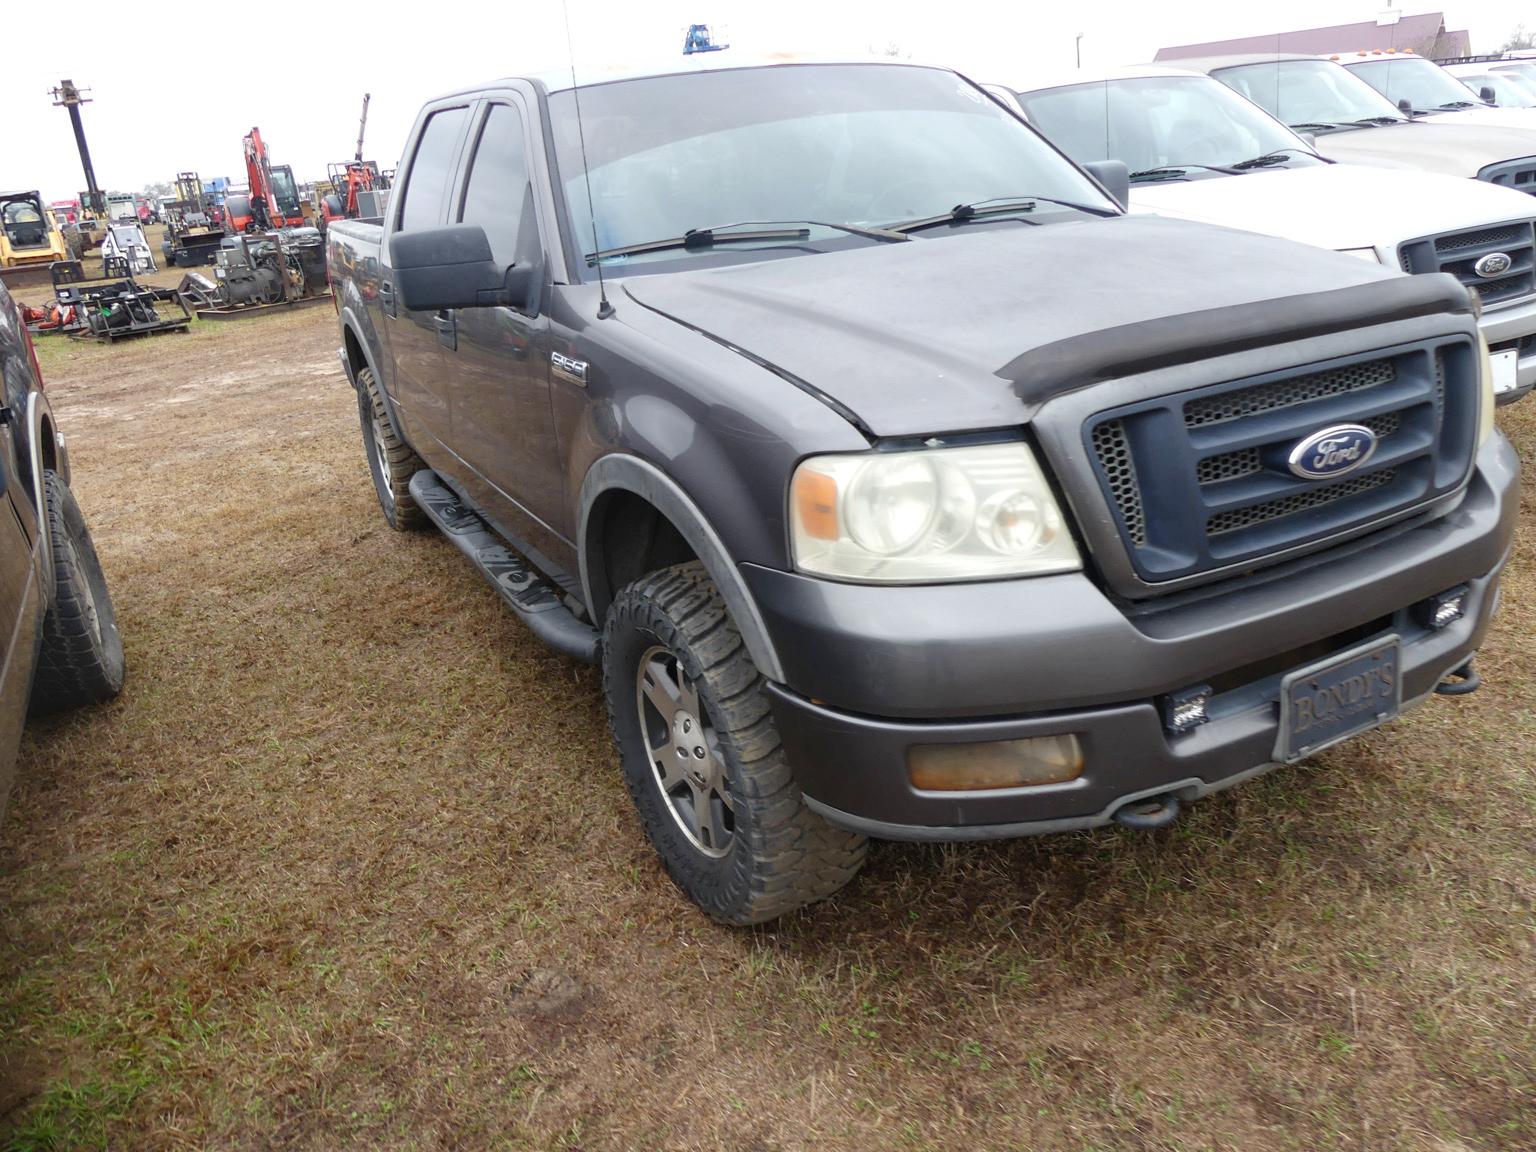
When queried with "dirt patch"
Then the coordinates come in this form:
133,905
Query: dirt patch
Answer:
350,865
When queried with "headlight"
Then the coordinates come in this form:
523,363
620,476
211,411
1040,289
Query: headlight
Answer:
928,516
1485,400
1363,253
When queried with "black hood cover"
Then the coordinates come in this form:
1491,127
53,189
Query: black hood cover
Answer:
976,330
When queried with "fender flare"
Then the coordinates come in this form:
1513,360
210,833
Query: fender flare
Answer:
349,323
40,426
640,478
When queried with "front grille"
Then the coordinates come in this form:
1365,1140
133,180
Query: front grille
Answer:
1200,481
1285,393
1237,518
1518,174
1459,252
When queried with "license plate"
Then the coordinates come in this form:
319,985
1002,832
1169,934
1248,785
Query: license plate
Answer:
1505,371
1338,698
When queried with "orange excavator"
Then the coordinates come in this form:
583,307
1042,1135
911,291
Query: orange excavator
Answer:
351,178
273,201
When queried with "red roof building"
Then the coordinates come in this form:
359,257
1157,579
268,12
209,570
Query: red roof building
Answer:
1424,34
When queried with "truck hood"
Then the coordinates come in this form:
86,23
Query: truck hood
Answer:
1337,205
1453,148
976,330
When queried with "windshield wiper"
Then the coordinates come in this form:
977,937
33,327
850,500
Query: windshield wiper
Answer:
1320,126
1455,104
1174,171
1278,156
1379,121
703,239
1000,206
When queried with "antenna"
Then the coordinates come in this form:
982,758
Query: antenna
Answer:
604,309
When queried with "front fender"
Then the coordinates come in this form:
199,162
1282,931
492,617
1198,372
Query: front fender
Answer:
621,472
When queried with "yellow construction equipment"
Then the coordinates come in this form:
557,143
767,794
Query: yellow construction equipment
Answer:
30,240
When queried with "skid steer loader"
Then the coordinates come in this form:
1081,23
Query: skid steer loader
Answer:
29,241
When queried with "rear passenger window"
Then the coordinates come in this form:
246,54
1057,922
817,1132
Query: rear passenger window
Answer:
499,193
427,183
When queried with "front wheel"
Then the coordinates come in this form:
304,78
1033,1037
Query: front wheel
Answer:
702,759
82,653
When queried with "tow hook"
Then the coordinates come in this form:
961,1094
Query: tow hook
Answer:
1462,682
1153,812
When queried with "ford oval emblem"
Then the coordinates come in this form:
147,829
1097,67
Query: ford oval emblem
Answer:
1332,452
1493,264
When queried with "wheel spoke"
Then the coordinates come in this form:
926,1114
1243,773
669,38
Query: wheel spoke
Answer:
660,689
704,819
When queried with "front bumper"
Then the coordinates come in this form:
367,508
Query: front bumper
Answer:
1513,328
874,671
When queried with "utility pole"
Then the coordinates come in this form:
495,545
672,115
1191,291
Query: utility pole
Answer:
66,95
1078,44
361,127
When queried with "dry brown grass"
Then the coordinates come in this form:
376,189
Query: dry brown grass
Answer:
350,865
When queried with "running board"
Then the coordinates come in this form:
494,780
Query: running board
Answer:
535,602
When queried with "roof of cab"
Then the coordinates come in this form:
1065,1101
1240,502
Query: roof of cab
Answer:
564,79
1066,79
1210,64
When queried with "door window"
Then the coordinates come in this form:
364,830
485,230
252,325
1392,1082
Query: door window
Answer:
499,196
427,183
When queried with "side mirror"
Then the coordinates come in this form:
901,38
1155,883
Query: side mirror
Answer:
1405,106
440,268
1488,94
1115,178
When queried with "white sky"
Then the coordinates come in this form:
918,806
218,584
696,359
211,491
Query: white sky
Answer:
151,119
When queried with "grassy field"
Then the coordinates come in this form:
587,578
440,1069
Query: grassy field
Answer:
350,865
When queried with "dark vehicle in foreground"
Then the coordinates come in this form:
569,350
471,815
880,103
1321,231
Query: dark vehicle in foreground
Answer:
61,646
901,484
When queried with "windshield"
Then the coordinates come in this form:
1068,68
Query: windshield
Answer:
1427,87
285,192
861,144
1310,92
1510,90
1157,122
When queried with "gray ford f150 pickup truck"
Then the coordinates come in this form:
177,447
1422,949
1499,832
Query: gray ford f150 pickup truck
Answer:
902,485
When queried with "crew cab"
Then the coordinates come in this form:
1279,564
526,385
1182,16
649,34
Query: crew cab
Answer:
901,484
1357,124
59,645
1198,151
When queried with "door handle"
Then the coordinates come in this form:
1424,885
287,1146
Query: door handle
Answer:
447,330
387,297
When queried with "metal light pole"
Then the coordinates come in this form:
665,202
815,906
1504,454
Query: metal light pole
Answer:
66,95
1078,44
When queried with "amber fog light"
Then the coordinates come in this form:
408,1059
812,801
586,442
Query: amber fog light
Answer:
996,764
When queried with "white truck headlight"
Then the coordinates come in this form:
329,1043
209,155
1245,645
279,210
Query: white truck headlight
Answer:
1485,397
928,516
1363,253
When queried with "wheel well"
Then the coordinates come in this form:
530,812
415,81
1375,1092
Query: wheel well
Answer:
49,448
627,538
355,355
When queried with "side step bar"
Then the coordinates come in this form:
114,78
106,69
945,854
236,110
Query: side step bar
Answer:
526,594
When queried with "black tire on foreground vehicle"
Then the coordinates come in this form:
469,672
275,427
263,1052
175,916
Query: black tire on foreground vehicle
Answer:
391,461
82,655
702,759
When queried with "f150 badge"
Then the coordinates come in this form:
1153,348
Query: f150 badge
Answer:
1332,452
568,368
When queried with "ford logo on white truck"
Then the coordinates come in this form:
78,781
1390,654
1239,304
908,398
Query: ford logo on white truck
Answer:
1333,452
1493,264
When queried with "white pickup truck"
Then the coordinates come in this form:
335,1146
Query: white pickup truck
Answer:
1423,87
1198,151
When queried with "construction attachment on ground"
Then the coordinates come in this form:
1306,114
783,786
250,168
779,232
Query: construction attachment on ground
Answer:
260,273
105,308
